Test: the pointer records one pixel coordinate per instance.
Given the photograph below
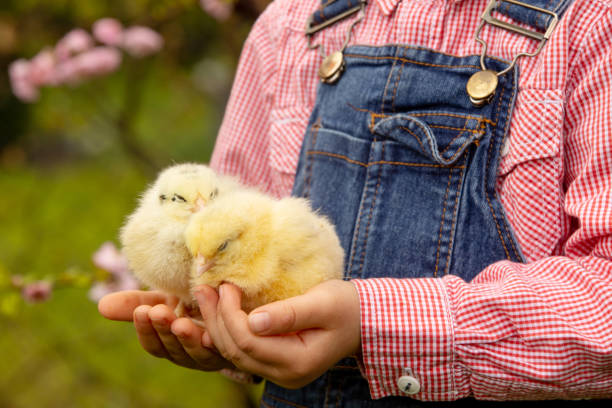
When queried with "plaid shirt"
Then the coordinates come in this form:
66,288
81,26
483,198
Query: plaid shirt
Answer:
537,330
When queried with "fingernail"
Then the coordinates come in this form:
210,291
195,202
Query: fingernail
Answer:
259,322
179,333
140,317
221,291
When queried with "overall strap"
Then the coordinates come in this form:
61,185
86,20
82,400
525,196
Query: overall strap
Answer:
331,11
531,16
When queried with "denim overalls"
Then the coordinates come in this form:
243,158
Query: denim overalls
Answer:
404,165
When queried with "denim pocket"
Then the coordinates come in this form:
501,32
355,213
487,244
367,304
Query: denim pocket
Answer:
440,137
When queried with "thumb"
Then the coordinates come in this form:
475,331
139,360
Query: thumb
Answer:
290,315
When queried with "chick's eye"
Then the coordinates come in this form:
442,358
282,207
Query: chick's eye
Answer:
222,246
214,193
162,197
179,198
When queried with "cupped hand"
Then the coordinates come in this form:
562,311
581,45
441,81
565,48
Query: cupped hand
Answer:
159,331
289,342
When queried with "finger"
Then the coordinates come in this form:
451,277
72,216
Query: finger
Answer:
277,358
147,336
207,301
302,312
243,347
190,336
234,346
121,305
162,317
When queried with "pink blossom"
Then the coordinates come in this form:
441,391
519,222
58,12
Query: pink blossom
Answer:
218,9
141,41
108,31
97,62
67,72
109,258
76,41
42,68
23,88
37,291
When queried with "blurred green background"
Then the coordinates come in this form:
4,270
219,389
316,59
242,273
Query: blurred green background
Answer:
71,167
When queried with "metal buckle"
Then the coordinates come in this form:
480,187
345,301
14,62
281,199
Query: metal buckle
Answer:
487,17
312,29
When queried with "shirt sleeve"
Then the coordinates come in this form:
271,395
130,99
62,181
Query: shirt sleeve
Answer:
242,144
539,330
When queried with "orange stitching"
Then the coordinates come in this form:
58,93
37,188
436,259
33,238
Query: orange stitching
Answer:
413,62
452,115
315,127
450,143
371,125
416,164
416,137
450,177
382,107
459,150
399,75
464,129
356,108
499,232
345,158
456,115
437,52
449,55
338,156
454,221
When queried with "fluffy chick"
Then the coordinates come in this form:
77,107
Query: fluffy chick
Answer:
153,236
271,249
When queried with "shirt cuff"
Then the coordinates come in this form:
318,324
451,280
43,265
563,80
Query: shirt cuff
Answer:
407,331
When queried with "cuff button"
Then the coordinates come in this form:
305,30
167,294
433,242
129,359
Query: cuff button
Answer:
408,384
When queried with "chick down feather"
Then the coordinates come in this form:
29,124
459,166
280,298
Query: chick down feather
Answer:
153,235
271,249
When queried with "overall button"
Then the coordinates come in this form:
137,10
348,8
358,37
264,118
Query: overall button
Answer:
481,87
408,384
331,68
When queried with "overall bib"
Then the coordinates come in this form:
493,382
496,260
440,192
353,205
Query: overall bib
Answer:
404,165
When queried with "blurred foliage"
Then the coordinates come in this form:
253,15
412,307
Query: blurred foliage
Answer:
70,171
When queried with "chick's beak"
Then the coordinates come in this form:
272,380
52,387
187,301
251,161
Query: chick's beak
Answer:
200,203
203,265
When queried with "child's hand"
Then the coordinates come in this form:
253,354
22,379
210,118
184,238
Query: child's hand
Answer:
159,331
318,329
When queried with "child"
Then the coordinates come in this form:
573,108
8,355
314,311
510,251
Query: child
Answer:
476,218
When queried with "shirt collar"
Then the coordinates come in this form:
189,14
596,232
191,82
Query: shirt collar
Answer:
388,6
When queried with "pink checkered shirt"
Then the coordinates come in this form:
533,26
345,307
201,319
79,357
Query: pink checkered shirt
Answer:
537,330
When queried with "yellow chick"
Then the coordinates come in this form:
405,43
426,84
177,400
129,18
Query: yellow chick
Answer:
153,237
271,249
